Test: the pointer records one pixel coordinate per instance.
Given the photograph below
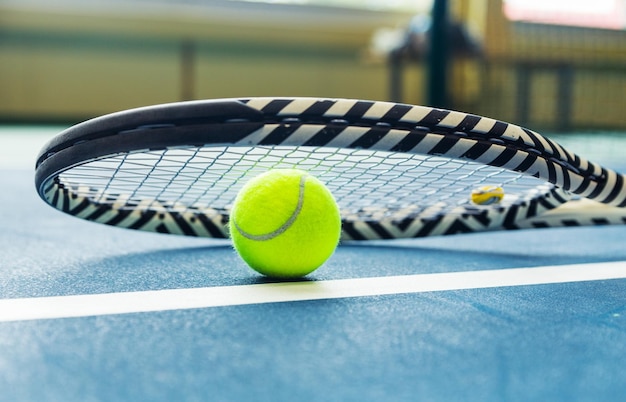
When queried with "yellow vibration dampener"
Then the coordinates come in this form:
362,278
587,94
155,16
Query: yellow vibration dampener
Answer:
487,195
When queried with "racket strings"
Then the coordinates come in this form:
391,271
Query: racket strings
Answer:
367,184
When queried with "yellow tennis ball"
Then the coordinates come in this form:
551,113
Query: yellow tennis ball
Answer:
487,195
285,223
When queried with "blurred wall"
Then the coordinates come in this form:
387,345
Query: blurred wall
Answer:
66,61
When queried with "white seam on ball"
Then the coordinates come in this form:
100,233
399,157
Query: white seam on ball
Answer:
283,228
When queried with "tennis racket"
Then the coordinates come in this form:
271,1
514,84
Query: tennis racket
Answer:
396,170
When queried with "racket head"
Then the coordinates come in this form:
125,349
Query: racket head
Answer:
176,168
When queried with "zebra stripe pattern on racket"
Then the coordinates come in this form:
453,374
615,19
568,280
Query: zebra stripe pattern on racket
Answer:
203,221
176,168
421,129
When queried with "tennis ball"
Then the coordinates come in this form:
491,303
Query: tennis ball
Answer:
487,195
285,223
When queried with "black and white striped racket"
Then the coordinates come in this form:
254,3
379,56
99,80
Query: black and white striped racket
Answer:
396,170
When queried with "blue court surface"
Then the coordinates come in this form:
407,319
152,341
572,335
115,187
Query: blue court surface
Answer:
94,313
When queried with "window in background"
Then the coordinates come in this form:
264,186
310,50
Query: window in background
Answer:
608,14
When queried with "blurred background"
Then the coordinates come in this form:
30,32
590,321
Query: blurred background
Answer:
547,64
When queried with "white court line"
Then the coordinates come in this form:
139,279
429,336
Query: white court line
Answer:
177,299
